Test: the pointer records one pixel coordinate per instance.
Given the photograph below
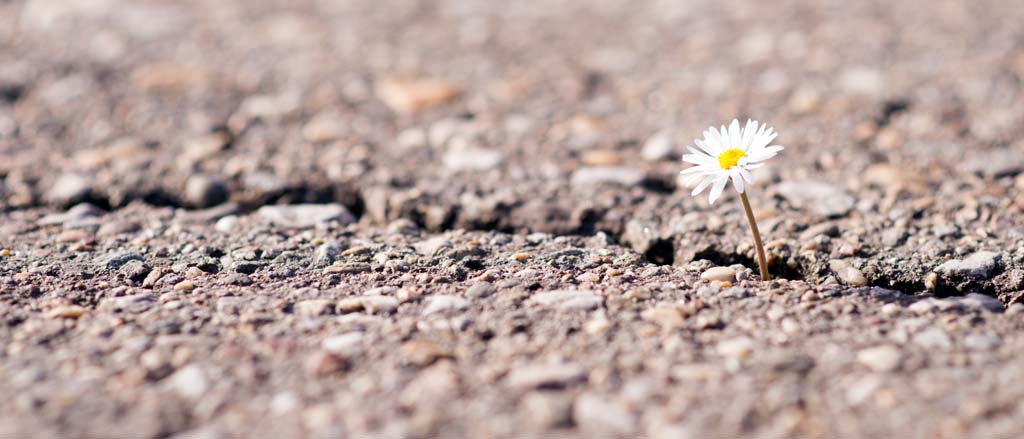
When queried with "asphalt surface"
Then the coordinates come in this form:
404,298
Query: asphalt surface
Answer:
463,219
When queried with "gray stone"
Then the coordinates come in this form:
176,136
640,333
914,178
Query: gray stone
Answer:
546,376
380,304
76,214
226,224
982,342
658,147
933,338
134,303
996,164
245,267
666,316
602,417
263,183
402,226
893,236
821,198
847,273
981,302
641,235
345,345
370,304
880,358
596,175
738,348
230,305
481,290
568,300
204,191
327,253
431,246
473,159
303,216
117,260
324,127
445,304
546,410
211,215
314,307
190,382
118,227
923,306
829,229
978,265
69,188
135,270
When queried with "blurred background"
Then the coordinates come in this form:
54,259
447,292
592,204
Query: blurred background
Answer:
561,116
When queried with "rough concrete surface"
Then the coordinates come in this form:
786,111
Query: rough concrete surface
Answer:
405,218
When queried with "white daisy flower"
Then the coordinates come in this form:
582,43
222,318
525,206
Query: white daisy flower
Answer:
729,154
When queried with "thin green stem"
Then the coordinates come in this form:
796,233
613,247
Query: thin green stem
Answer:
761,263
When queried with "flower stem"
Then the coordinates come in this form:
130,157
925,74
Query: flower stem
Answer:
761,263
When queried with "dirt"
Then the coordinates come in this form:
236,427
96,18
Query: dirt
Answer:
321,219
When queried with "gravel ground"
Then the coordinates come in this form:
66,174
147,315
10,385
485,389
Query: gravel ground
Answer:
252,218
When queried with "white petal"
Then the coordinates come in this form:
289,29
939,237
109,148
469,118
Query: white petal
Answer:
758,158
748,134
763,154
746,175
735,134
707,149
716,190
737,180
715,141
697,169
762,140
700,187
699,159
692,180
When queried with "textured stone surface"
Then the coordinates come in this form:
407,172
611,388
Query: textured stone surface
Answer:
228,219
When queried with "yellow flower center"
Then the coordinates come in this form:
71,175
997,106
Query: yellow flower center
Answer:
730,157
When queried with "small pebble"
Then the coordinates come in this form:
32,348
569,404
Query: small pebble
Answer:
324,363
194,272
736,348
978,265
67,312
880,358
422,352
521,256
668,317
190,382
719,273
226,224
415,95
596,326
445,304
546,375
313,307
847,273
890,309
657,147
